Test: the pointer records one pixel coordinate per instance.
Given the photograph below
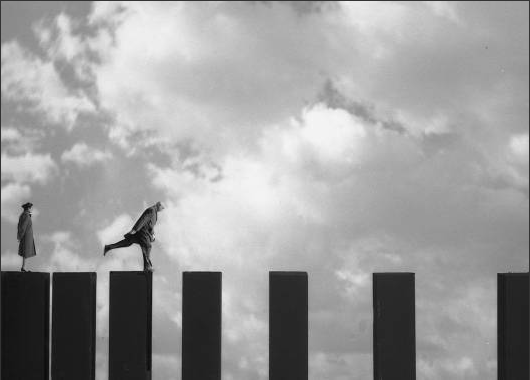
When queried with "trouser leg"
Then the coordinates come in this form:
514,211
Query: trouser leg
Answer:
146,253
121,244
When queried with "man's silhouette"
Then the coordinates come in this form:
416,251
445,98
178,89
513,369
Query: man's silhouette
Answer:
26,245
142,234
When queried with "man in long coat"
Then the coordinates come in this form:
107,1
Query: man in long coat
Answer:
26,246
142,234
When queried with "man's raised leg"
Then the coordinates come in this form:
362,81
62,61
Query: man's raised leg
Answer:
121,244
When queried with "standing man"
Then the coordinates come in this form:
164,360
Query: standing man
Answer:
26,245
142,234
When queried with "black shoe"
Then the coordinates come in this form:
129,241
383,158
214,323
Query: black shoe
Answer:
24,270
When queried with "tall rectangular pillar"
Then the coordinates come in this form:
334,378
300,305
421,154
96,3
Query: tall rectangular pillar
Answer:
73,326
201,325
25,325
394,326
130,325
512,326
288,326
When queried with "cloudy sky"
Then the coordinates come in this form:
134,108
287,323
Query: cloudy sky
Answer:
339,139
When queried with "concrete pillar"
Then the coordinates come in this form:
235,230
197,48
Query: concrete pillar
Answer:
512,326
25,325
201,325
130,325
394,326
288,326
73,326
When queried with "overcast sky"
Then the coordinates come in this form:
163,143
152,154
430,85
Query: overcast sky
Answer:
339,139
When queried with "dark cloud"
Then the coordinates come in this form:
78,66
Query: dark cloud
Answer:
335,99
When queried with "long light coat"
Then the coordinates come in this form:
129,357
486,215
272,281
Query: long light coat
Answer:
26,246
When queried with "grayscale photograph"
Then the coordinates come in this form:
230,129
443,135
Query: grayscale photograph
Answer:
265,190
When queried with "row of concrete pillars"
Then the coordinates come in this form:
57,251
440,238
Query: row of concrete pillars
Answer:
25,326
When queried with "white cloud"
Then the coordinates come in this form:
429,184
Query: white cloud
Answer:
116,229
13,196
28,78
62,45
83,155
11,261
10,134
332,136
20,141
68,45
509,170
354,280
29,167
378,16
447,9
519,148
106,11
199,83
65,256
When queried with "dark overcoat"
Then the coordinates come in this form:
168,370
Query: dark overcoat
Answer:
26,246
145,226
